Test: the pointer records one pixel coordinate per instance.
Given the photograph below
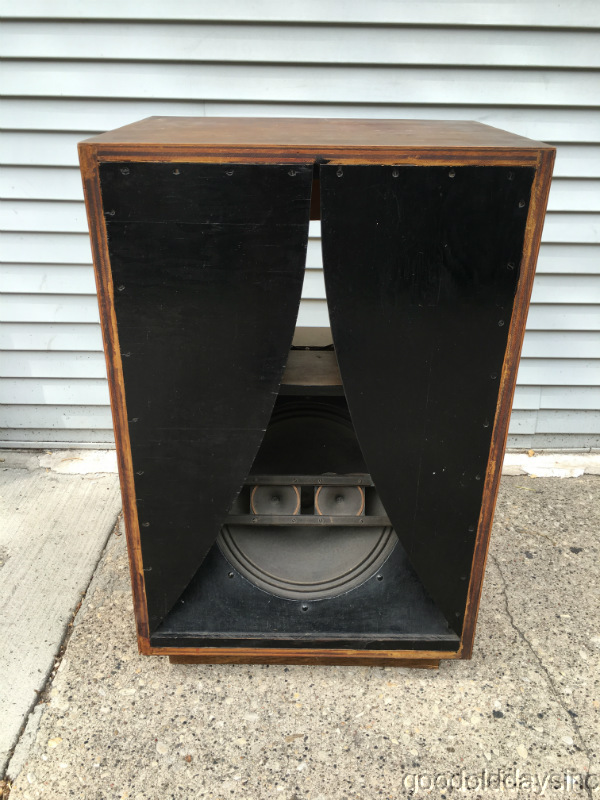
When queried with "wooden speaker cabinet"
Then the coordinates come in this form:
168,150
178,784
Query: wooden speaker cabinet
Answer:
323,504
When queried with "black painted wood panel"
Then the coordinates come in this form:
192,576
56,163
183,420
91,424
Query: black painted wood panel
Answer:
421,267
391,611
207,263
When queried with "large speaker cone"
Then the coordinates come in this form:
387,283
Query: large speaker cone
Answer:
308,562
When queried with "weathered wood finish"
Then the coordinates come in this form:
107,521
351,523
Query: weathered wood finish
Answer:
313,141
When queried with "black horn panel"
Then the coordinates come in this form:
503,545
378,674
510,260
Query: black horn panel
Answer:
421,267
207,264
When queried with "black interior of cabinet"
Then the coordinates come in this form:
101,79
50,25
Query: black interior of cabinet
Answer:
421,267
207,264
389,611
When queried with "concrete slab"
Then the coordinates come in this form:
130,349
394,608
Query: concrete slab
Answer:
53,530
120,726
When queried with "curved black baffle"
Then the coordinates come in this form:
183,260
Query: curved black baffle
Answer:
207,263
421,266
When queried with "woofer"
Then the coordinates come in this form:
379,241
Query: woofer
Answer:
306,562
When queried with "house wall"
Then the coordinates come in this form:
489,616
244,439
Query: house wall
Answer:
73,69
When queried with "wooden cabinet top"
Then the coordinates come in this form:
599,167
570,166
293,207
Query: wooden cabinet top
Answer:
316,139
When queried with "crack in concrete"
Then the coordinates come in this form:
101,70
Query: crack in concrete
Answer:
549,678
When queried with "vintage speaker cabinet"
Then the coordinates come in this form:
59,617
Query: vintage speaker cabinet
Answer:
355,530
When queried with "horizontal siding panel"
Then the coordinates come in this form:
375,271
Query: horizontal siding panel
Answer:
44,336
566,228
561,344
579,397
577,161
43,216
331,44
52,364
556,397
72,114
60,150
47,278
323,83
25,308
46,248
522,421
574,421
41,183
554,441
49,437
56,416
54,391
545,317
527,398
313,314
566,289
576,14
567,258
559,372
555,422
39,148
573,195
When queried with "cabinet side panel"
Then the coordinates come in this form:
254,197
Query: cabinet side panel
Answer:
207,264
93,200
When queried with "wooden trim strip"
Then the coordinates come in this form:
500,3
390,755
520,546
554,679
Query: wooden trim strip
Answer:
508,380
93,201
258,655
368,155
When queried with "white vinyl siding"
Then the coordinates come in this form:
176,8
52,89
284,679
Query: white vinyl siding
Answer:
74,68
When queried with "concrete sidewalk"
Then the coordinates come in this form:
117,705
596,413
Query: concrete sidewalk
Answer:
57,511
113,724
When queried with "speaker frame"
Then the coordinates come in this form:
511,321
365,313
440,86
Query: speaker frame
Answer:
302,141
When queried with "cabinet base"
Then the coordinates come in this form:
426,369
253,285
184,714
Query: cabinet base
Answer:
262,657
